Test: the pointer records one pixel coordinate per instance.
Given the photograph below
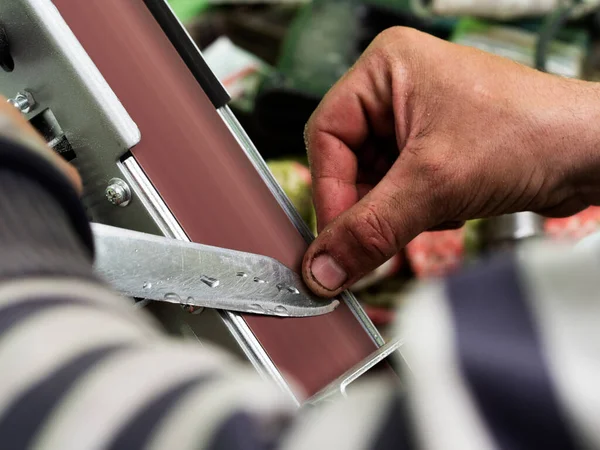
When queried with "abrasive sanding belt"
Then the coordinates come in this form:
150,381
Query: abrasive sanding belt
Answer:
206,179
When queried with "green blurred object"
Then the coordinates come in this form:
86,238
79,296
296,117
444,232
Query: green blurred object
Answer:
472,238
187,10
565,55
323,41
328,36
320,46
293,176
386,294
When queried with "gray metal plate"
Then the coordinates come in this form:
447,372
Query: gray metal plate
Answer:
51,64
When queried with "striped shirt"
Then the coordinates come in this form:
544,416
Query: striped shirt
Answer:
503,355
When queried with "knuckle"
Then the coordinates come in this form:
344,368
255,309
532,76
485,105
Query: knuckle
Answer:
395,34
373,234
383,44
396,43
393,51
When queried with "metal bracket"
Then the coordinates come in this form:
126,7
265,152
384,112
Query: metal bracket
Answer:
72,100
339,386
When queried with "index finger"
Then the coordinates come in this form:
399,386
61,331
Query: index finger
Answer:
358,105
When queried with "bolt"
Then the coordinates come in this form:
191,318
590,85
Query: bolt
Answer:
23,101
118,192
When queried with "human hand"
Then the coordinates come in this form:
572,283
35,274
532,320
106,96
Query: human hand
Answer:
424,134
14,126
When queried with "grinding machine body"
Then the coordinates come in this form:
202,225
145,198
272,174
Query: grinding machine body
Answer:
121,90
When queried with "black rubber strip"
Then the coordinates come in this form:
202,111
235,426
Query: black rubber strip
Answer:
188,52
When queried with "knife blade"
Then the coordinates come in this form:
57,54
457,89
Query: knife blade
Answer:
162,269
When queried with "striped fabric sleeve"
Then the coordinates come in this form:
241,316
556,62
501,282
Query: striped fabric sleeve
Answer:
507,354
504,355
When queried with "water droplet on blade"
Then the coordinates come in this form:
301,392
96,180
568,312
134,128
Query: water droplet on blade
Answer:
293,290
256,307
209,281
281,310
171,297
280,287
242,274
147,285
259,280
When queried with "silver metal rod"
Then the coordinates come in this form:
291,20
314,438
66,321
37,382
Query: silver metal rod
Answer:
338,387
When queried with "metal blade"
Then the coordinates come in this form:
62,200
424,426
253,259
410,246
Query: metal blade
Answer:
157,268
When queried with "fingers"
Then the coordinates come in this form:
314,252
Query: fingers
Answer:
334,170
336,131
364,237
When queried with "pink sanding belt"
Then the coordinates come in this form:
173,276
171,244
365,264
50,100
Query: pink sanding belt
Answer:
206,179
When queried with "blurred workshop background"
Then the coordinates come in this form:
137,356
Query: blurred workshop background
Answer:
277,58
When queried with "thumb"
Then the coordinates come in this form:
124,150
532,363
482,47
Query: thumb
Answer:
363,237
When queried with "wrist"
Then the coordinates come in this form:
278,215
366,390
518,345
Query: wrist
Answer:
586,170
567,129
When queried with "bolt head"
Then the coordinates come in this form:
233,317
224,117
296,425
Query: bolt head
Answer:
23,101
118,193
115,194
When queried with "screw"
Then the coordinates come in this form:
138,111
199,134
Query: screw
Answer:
23,101
118,192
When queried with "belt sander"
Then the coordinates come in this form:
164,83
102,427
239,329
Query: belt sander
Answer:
177,190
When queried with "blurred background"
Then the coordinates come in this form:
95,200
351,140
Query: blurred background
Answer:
277,58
